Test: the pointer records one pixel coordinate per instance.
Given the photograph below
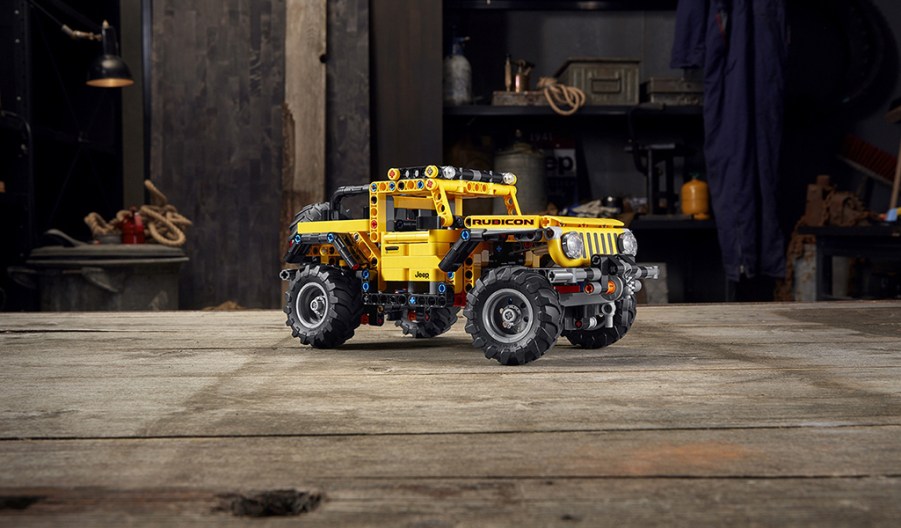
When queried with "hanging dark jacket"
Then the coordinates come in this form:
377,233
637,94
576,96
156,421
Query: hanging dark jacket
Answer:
742,47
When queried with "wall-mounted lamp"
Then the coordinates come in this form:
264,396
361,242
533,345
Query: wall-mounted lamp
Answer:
108,70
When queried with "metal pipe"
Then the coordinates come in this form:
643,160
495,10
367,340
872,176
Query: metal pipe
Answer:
645,272
571,275
459,173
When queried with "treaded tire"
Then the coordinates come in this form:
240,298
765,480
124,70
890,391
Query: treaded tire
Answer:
440,321
315,212
338,306
602,337
312,213
533,306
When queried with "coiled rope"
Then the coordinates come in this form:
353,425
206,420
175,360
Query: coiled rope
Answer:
163,222
560,95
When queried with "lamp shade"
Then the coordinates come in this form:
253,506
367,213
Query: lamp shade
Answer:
109,70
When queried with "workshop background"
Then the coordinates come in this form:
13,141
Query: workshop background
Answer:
243,112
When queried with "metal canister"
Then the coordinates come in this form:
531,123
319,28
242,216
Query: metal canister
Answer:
528,166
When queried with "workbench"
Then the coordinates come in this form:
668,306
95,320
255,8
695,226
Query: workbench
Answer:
765,414
869,242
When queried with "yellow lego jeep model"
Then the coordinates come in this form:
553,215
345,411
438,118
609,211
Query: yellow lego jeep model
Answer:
417,258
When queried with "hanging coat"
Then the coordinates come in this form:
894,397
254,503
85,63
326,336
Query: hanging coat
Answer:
742,47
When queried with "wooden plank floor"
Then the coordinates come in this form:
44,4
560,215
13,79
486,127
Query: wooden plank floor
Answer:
771,414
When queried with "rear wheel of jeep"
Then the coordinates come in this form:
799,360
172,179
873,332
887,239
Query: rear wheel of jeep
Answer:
514,315
324,305
602,337
439,320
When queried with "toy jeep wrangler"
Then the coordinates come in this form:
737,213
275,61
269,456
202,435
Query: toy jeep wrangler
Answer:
416,258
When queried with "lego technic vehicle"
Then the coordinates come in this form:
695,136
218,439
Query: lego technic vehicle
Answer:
416,257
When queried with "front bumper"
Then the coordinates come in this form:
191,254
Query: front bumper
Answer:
603,268
597,289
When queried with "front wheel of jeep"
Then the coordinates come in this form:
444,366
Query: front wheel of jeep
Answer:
602,337
514,315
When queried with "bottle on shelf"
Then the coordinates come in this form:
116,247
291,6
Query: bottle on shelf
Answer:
457,75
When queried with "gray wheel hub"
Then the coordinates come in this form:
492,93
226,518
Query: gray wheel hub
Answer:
507,316
311,305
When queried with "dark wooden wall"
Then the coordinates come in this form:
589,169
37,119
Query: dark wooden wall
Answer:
217,93
347,94
406,83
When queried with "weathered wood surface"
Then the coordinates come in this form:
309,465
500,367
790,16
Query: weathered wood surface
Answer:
739,414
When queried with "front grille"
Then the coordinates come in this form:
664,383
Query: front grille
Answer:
599,243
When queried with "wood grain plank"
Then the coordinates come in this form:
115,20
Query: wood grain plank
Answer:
194,373
815,452
702,415
494,502
305,103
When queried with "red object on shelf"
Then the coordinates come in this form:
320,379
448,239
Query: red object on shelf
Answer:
133,229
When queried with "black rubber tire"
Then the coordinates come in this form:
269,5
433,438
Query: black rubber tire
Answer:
602,337
440,320
528,292
343,300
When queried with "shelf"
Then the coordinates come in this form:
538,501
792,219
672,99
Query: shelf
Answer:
662,223
562,5
883,230
531,111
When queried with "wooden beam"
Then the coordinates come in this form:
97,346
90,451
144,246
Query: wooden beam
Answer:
304,109
133,162
407,72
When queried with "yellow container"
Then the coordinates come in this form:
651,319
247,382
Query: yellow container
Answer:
695,199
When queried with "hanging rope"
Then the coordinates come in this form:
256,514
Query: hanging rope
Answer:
560,95
163,223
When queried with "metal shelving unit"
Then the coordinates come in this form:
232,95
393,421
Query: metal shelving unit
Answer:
563,5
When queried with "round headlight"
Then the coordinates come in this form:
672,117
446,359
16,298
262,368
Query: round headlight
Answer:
572,245
627,243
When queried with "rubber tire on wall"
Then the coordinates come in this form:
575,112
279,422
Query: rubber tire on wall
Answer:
345,306
602,337
440,321
546,324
